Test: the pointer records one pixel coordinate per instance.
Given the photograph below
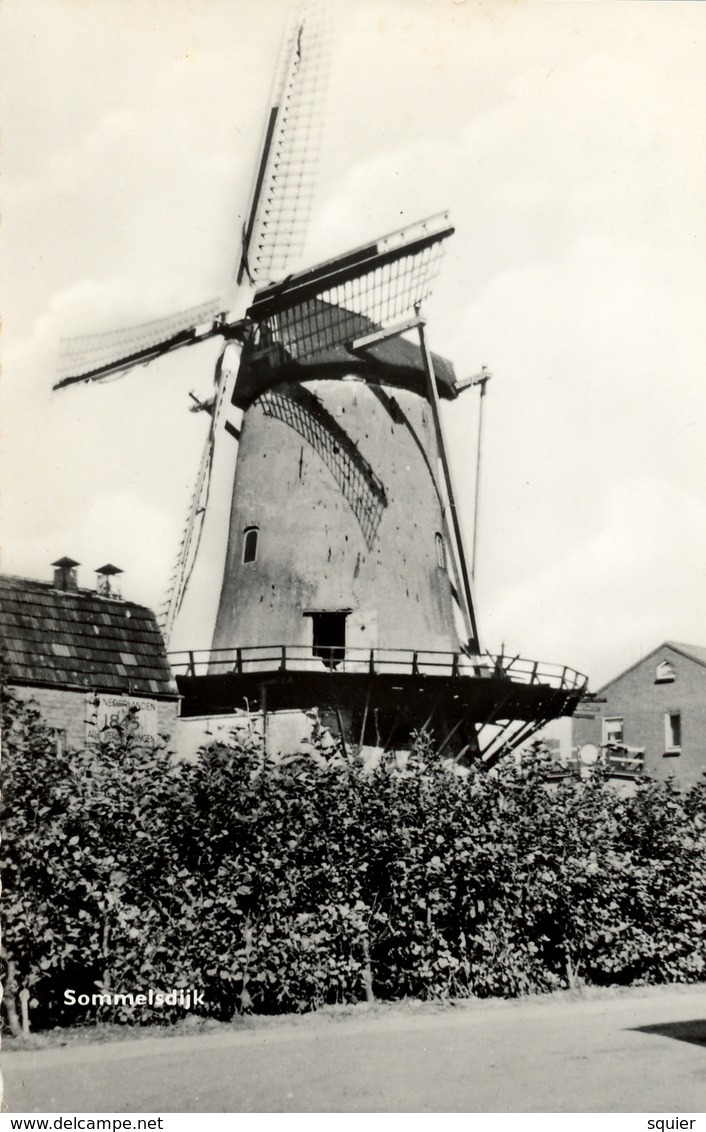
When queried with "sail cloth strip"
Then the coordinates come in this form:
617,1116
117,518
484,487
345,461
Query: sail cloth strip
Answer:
95,355
369,288
193,529
284,187
302,411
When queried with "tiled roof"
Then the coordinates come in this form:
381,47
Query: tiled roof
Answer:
78,639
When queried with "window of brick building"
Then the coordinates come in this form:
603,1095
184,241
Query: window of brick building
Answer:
60,738
672,733
665,673
613,730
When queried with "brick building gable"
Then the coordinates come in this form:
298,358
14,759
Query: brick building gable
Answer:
657,705
691,652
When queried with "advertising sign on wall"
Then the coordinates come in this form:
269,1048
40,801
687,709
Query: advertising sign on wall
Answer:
111,716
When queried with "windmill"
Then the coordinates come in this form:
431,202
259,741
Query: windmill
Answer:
345,585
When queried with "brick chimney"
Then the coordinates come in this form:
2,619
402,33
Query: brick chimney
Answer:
107,584
65,574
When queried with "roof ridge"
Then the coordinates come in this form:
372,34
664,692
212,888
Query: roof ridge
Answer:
80,591
694,652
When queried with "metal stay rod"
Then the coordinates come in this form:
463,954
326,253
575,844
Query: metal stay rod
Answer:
483,381
441,444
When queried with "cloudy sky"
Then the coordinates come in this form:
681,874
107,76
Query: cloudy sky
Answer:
567,141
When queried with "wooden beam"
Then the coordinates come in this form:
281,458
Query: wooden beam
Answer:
433,394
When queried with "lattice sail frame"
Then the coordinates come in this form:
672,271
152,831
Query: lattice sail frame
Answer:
355,294
96,355
283,191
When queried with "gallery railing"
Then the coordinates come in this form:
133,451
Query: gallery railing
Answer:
375,661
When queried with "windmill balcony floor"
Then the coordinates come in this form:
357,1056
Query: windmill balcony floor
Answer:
380,691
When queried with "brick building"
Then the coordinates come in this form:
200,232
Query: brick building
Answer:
658,706
85,656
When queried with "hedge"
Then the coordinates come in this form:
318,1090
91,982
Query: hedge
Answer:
286,885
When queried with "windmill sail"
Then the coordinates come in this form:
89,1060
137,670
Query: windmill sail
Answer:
283,189
345,298
90,357
193,527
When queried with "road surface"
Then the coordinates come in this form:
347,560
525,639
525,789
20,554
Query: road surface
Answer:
634,1052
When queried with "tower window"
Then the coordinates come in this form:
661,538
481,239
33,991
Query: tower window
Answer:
440,550
329,637
250,544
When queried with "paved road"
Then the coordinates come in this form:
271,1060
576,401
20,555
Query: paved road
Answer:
635,1053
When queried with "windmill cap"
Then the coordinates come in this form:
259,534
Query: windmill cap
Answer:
109,569
66,562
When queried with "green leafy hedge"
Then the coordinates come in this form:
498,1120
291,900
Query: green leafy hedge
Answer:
285,886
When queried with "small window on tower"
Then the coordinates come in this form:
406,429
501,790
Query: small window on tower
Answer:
440,551
250,544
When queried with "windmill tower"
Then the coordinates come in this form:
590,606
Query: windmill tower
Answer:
345,586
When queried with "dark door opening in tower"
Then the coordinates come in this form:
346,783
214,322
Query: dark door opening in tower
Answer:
329,637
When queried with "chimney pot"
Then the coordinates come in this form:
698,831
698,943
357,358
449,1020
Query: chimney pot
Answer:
107,584
65,574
